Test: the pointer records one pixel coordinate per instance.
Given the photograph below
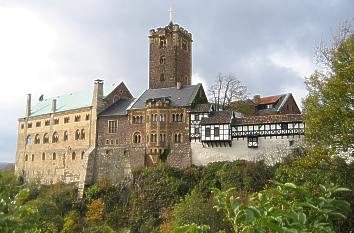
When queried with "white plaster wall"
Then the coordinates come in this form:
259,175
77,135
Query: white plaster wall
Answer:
269,149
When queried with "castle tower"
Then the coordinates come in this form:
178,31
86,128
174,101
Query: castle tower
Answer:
170,57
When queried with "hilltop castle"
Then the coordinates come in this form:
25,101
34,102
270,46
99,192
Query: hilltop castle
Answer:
87,136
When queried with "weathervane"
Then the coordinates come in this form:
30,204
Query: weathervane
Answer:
170,13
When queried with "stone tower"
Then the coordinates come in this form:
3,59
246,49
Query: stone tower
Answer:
170,57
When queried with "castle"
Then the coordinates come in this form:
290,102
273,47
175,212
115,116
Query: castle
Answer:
105,134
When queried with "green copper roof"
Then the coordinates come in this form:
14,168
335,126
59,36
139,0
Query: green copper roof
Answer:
64,103
67,102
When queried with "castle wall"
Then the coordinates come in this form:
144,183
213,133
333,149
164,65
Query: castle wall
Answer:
51,162
269,149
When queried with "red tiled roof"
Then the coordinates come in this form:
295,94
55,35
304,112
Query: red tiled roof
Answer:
269,99
268,119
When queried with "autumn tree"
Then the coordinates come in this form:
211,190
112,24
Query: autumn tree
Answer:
328,108
225,90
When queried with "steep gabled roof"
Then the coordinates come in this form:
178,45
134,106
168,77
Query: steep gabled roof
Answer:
217,117
179,97
269,99
119,108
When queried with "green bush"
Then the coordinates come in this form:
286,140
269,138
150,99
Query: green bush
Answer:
195,209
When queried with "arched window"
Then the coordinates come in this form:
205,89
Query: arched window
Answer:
55,137
54,156
173,117
82,134
66,136
26,157
77,134
43,156
37,139
73,155
162,77
162,42
162,60
178,138
137,137
32,157
45,138
29,140
82,154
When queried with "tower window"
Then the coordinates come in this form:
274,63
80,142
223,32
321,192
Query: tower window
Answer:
47,122
66,120
162,60
162,43
184,45
162,77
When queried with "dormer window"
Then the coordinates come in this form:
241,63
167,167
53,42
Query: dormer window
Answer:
269,106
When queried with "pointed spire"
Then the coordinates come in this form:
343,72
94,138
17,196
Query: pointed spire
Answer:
170,14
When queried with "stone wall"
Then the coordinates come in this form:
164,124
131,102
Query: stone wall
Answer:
269,149
54,161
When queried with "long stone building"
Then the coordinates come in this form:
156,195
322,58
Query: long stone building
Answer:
105,134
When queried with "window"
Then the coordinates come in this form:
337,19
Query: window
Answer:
291,142
154,117
29,140
32,157
177,117
54,156
284,125
47,122
162,137
87,117
112,126
137,119
178,138
29,125
162,77
153,137
82,134
22,126
55,137
216,131
162,60
196,130
184,45
196,117
56,121
66,120
136,137
66,136
77,134
162,117
26,157
37,139
45,138
73,156
252,142
82,154
112,141
77,118
38,124
43,156
107,142
269,106
207,132
162,43
117,141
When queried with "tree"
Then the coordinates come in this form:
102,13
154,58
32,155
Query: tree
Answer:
226,89
328,108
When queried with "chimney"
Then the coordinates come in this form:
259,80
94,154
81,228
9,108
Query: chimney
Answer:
54,105
257,99
179,85
97,100
28,105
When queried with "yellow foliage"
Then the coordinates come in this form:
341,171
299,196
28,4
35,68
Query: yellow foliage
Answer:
95,211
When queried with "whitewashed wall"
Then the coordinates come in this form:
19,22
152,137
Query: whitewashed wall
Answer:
269,149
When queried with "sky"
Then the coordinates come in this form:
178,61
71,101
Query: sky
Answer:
58,47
